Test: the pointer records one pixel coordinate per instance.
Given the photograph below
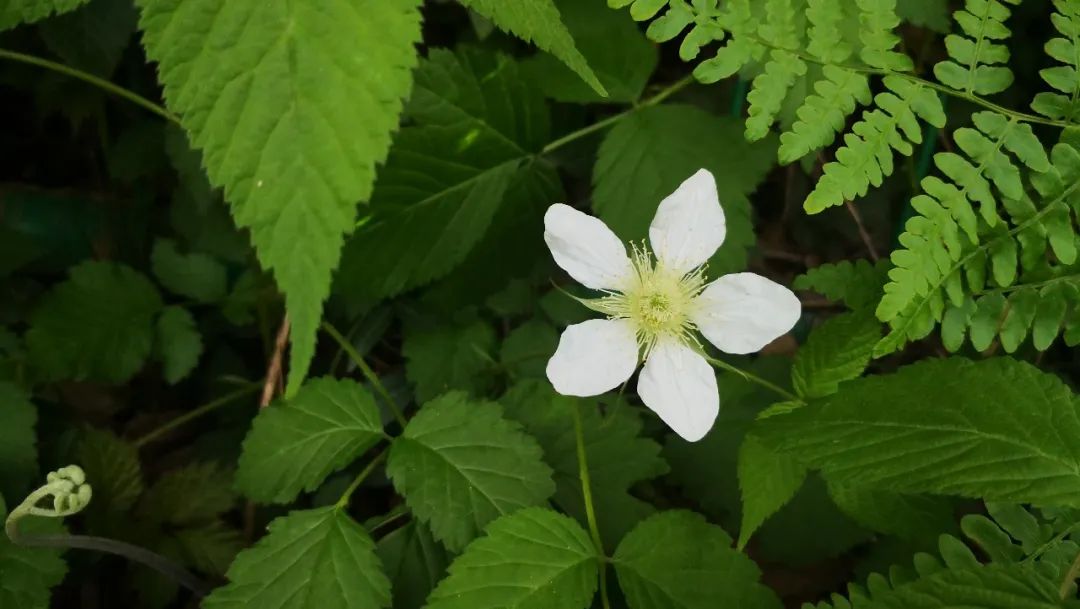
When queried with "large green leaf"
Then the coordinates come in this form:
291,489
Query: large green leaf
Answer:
97,325
533,559
14,12
677,560
616,49
193,493
767,481
112,469
194,275
836,351
440,356
92,38
617,454
648,154
18,449
477,120
179,343
415,563
313,559
997,429
538,22
292,105
296,442
28,574
460,464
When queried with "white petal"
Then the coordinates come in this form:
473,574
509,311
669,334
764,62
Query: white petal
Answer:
680,386
586,248
743,312
593,357
689,225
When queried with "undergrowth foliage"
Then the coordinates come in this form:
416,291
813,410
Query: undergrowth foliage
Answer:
324,222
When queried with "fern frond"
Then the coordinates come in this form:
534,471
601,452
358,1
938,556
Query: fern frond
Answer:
1063,78
1028,556
824,113
961,270
976,64
826,40
866,157
768,90
877,19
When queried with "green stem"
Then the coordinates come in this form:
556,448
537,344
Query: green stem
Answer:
590,512
1030,286
753,378
100,83
978,101
359,479
1070,577
196,413
611,120
366,370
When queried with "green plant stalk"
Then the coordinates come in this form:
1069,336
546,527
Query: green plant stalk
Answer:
359,479
86,77
1070,577
196,413
611,120
590,512
368,373
753,378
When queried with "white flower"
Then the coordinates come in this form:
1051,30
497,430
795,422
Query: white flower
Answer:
655,310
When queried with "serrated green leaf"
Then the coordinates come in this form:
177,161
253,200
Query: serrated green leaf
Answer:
948,426
614,48
526,350
532,559
194,493
29,574
647,155
196,276
15,12
441,357
312,559
292,106
991,586
477,120
857,284
617,453
460,464
677,560
179,343
539,22
296,442
92,38
210,546
836,351
415,563
917,518
112,469
767,481
18,446
97,325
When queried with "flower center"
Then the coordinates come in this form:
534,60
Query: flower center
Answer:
658,300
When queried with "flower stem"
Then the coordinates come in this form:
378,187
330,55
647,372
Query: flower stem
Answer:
603,124
753,378
198,412
368,373
100,83
590,513
359,479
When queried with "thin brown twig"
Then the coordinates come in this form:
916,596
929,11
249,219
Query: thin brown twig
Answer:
273,369
867,241
271,386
